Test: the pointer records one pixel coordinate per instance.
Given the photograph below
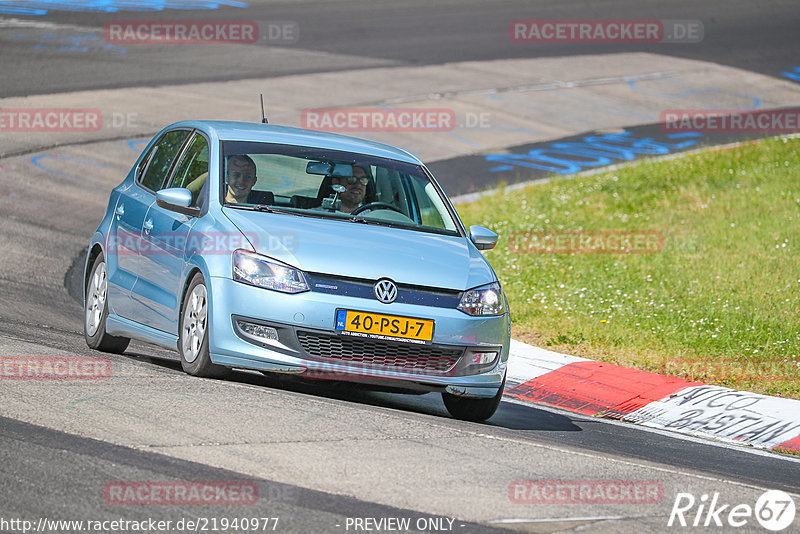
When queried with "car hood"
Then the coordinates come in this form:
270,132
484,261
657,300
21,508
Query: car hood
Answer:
355,250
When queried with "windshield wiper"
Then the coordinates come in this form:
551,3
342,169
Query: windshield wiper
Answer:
267,208
314,214
417,228
272,209
259,207
362,220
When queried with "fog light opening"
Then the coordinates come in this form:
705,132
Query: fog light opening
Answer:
258,331
483,358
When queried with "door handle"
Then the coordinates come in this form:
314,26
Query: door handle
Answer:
120,209
148,225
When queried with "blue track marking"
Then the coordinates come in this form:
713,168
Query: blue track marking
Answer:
677,95
137,145
43,7
590,152
792,74
38,162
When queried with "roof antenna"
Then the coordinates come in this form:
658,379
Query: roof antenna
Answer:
263,117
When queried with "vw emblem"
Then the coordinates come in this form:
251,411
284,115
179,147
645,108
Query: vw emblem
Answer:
385,291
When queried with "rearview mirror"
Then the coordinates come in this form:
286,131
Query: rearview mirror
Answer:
177,199
342,170
318,167
324,168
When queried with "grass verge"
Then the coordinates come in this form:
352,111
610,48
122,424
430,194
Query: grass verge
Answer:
717,299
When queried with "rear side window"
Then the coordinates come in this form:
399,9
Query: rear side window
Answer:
161,157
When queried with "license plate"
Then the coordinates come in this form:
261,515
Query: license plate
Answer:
380,326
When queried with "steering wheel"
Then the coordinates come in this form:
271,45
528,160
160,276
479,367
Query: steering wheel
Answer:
375,205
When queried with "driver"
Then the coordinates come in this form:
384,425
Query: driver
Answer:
355,187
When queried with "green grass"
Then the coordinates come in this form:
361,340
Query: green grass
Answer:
719,304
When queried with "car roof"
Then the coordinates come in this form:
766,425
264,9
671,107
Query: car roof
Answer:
286,135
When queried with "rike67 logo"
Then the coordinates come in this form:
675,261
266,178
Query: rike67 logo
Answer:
774,510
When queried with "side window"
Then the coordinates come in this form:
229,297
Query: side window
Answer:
192,170
143,164
161,157
430,205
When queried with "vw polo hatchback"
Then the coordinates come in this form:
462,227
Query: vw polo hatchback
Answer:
284,250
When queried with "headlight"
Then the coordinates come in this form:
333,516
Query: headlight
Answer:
484,300
257,270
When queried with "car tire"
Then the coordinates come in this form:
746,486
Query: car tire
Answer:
193,333
470,409
95,311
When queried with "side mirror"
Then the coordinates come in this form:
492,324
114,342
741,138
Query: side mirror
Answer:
177,199
483,238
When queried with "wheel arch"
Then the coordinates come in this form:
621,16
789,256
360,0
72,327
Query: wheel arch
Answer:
95,250
188,280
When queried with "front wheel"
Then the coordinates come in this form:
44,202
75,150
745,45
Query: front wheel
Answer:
193,333
95,312
470,409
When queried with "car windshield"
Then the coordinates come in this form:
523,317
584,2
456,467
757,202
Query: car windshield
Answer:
332,184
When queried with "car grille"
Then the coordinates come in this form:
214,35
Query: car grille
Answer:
376,354
364,289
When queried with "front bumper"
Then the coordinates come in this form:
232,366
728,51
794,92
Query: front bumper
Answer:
314,313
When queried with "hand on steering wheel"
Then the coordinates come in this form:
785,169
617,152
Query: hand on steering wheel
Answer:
375,205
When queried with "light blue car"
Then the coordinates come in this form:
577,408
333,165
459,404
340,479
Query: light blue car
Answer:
283,250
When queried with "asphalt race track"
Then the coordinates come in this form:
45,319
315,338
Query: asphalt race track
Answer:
756,36
323,454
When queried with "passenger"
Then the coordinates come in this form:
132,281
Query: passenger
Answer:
355,187
240,178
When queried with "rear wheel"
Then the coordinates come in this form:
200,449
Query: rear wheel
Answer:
471,409
193,333
95,311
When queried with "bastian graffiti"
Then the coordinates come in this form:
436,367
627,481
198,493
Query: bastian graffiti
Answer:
725,414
